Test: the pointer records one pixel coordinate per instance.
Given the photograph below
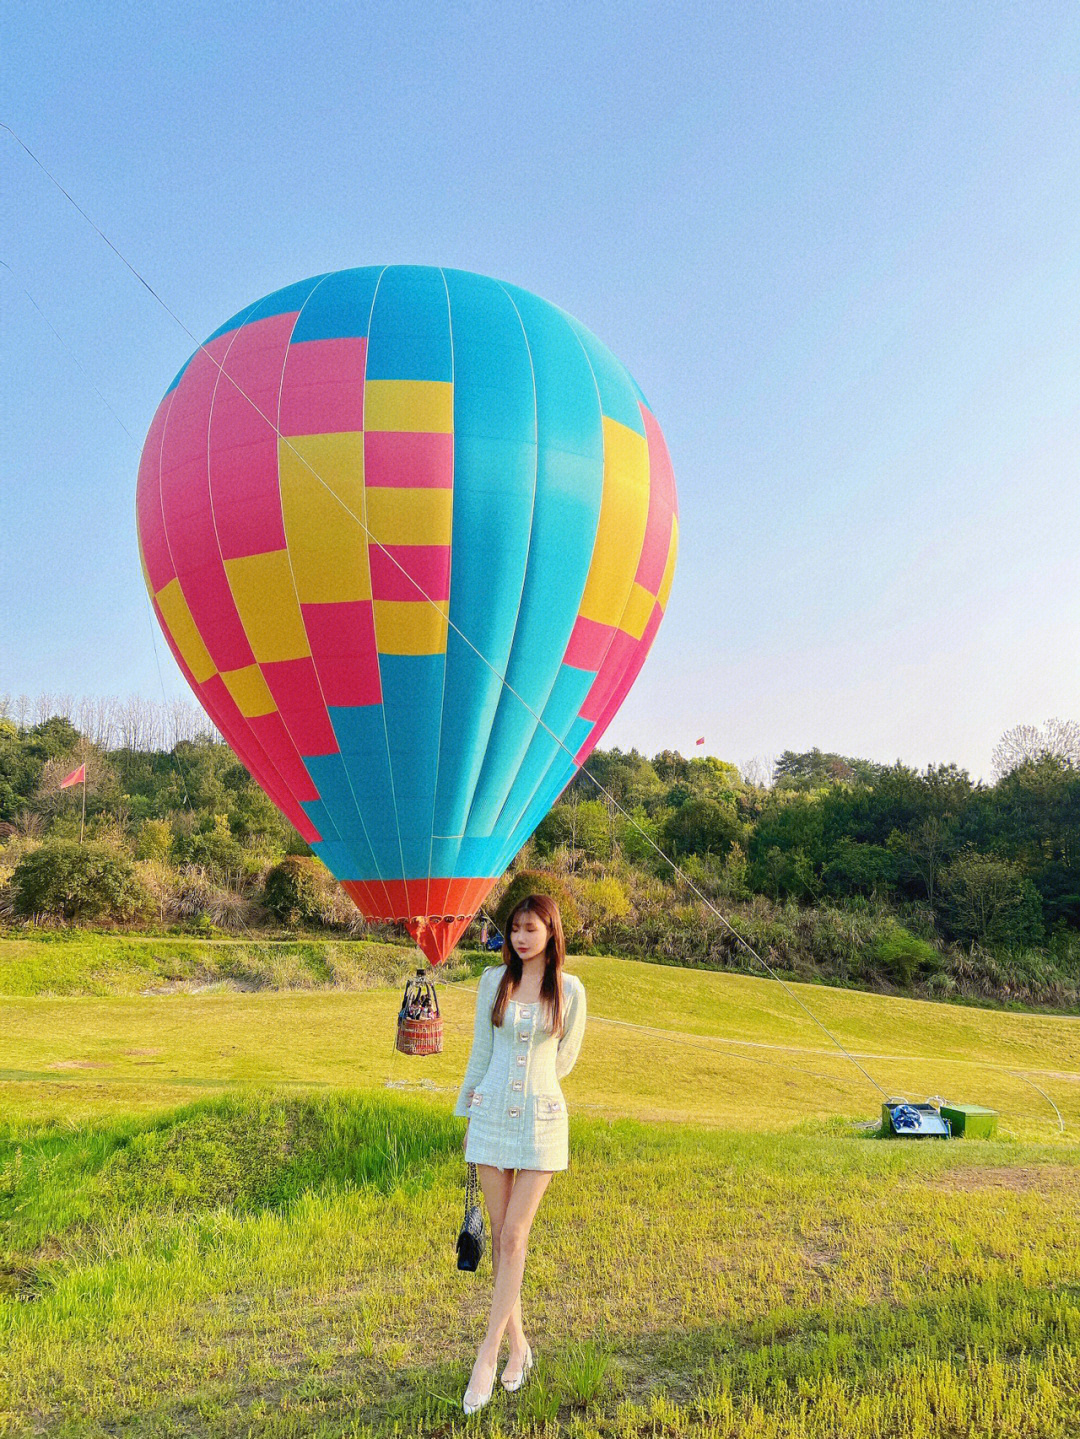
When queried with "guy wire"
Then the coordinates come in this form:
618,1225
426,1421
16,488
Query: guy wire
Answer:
463,637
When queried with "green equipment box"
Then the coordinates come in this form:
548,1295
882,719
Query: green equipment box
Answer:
970,1121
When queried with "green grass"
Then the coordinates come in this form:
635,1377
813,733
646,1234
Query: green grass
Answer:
718,1049
190,1246
83,963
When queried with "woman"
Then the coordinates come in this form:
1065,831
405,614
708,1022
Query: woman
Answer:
530,1019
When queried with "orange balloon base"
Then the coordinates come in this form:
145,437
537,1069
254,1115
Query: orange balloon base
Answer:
436,912
437,937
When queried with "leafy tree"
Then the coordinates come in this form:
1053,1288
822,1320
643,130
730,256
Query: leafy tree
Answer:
788,845
62,879
860,869
635,831
554,830
783,873
591,829
629,778
701,826
904,956
815,769
923,852
255,817
990,899
735,873
605,898
10,770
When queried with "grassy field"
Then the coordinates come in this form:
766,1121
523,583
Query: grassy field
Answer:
232,1211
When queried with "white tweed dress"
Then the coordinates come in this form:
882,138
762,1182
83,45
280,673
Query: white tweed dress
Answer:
511,1094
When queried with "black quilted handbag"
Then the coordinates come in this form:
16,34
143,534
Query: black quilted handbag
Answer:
470,1242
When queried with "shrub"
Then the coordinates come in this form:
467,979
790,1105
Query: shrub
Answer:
154,841
215,849
299,890
904,957
605,898
65,880
535,881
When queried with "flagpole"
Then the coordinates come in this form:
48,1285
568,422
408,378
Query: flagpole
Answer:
82,826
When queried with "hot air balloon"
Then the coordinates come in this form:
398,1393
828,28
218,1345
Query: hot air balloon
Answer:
409,533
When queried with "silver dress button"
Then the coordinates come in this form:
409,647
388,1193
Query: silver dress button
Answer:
523,1034
513,1111
521,1059
519,1084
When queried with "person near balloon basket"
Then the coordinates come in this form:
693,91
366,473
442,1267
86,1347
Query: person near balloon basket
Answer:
529,1025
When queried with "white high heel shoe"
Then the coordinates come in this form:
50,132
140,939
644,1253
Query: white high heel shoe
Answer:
471,1406
512,1385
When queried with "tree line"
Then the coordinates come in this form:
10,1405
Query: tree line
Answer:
993,863
926,871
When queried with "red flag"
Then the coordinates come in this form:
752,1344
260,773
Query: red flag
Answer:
700,741
77,776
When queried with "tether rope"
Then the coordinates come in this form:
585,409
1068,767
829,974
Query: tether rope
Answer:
435,604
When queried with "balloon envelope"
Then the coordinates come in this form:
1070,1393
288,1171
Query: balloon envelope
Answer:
369,500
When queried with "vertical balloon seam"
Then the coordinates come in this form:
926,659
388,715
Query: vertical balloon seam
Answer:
465,500
635,660
449,597
362,520
368,539
145,498
251,741
538,713
319,479
374,622
218,374
276,425
503,685
221,375
617,629
513,840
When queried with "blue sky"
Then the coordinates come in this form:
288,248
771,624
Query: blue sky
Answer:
837,245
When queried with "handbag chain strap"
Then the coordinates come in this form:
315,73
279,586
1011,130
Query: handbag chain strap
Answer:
472,1188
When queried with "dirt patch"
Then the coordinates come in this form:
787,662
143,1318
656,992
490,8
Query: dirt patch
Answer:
822,1261
18,1280
1052,1074
79,1064
194,986
1018,1178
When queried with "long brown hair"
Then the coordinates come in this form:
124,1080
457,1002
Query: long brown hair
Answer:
551,990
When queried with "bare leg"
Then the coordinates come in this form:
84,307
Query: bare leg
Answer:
528,1189
498,1185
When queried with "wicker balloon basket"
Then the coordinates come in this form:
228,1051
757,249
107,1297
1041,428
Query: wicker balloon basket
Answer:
419,1024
